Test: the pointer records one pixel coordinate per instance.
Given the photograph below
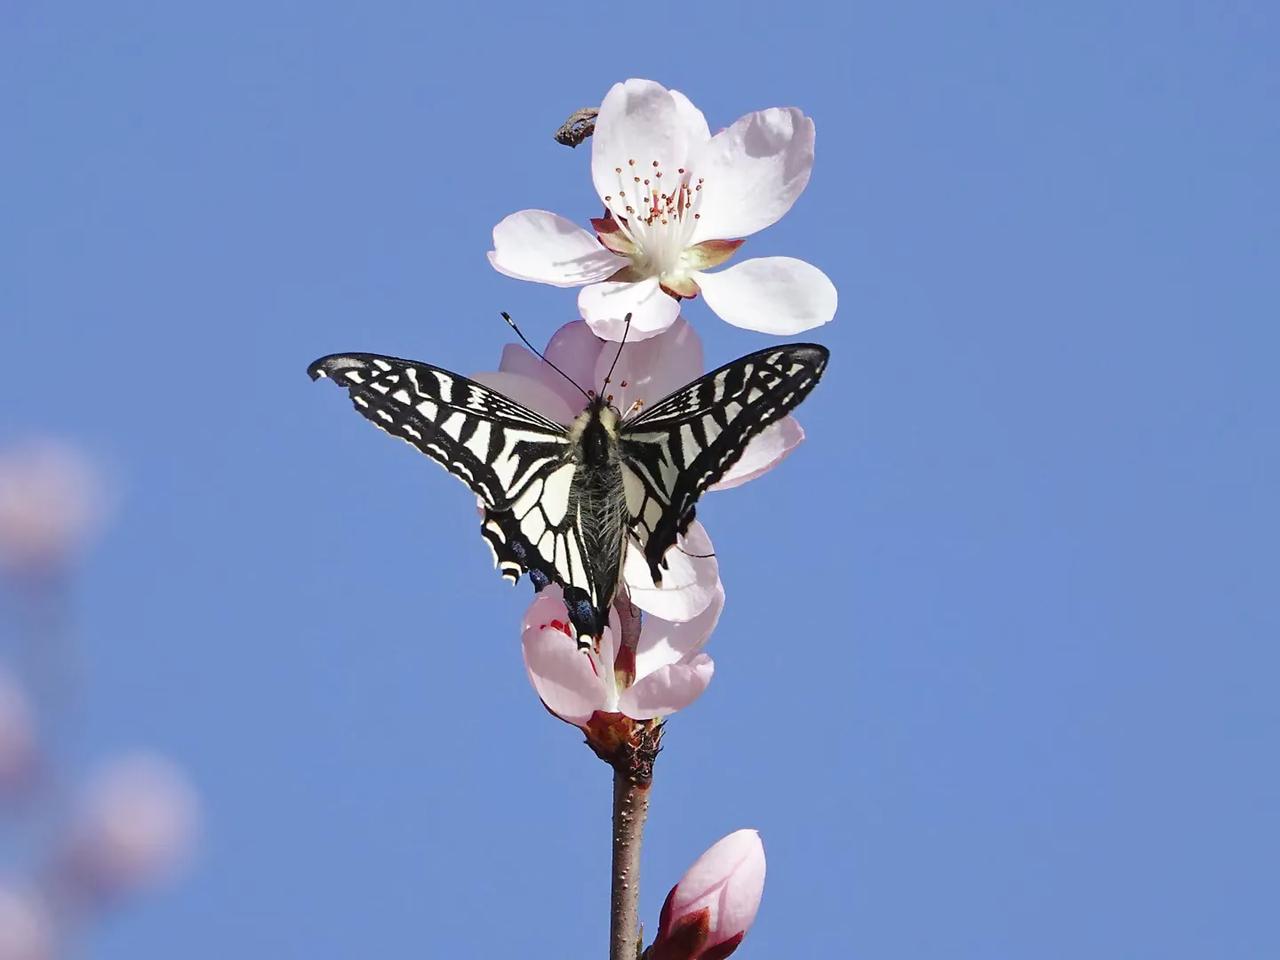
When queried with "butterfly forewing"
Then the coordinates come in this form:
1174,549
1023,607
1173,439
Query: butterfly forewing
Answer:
521,465
674,450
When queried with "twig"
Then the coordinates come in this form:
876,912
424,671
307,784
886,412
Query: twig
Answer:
630,809
580,125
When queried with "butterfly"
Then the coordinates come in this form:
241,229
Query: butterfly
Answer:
562,501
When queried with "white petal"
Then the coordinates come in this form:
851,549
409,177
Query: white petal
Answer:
533,393
652,368
765,451
605,306
639,123
753,172
689,584
663,642
561,674
546,248
695,124
779,295
667,689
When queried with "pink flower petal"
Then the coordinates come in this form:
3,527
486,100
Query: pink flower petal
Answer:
778,295
667,689
753,172
663,642
639,123
652,368
689,584
561,674
520,361
763,453
606,305
533,393
545,248
575,349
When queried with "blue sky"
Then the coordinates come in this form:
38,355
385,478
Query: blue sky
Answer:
997,672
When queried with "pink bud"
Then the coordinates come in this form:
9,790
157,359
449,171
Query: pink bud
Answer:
138,821
710,910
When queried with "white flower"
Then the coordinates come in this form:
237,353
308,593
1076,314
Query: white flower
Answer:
678,202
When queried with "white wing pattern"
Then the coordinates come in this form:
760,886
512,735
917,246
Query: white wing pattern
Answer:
675,449
519,463
560,503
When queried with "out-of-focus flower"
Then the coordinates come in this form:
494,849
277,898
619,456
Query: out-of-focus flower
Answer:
663,672
709,911
17,736
678,202
51,499
646,372
137,822
26,926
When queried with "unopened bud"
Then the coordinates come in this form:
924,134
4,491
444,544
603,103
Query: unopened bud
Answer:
710,910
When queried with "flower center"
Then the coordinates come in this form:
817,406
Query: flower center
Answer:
657,212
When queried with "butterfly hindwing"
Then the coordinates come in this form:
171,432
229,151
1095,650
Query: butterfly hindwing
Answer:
674,450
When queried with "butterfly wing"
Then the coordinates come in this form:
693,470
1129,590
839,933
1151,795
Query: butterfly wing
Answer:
675,449
518,462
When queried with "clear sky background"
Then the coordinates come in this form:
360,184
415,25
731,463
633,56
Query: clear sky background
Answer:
997,674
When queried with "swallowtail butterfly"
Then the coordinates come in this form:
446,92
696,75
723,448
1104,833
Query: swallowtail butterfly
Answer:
562,501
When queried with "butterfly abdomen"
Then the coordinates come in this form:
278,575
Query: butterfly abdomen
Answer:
599,507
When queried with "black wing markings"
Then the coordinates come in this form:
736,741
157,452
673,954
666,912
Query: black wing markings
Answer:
675,449
519,463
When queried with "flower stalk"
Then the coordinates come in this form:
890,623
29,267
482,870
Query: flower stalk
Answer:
630,810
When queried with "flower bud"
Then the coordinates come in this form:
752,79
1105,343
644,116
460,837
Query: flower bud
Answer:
710,910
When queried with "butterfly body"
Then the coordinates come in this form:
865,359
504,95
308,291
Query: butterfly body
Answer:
562,502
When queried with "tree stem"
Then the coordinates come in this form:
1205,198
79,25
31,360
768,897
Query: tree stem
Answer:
630,809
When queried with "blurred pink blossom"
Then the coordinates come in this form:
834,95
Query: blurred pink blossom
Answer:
51,501
26,925
665,672
709,911
17,736
678,202
138,820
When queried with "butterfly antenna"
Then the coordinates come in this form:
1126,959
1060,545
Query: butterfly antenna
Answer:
625,330
542,356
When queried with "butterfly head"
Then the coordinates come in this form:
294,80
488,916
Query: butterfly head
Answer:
595,431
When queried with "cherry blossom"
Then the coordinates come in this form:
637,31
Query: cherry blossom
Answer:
709,911
51,501
137,822
678,202
660,672
27,927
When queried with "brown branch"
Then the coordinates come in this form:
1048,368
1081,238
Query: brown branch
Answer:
630,808
580,125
